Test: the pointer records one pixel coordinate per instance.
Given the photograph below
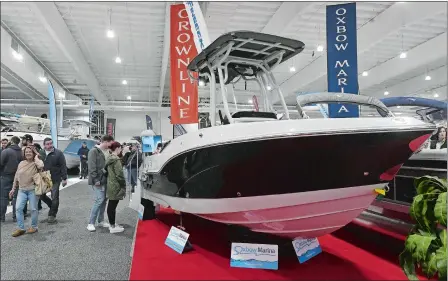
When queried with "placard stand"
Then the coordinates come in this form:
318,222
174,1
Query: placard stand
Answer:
188,245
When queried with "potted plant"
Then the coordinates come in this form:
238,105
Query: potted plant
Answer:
425,246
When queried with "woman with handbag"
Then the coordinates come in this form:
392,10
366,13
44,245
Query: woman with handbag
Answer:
116,185
24,181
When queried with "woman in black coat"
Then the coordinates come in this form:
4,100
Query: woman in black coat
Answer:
440,142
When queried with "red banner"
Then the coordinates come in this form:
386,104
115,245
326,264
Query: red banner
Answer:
184,93
255,102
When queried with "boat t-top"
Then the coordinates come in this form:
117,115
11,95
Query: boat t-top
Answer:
267,172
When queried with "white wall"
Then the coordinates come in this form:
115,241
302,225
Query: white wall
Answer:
130,124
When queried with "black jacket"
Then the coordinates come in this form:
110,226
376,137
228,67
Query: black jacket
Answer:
10,159
55,163
83,151
132,160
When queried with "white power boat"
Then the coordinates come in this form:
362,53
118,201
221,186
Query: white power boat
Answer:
38,128
290,178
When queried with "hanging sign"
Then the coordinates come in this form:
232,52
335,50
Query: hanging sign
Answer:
306,248
148,122
184,93
177,239
197,21
110,127
53,115
254,256
342,57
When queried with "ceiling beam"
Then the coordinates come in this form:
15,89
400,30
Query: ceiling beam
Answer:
389,21
53,22
285,15
424,54
166,52
19,83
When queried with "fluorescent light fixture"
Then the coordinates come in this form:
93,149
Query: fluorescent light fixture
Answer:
268,87
129,97
427,78
110,33
436,95
201,83
117,60
250,101
61,95
292,69
43,79
403,55
320,48
124,82
17,56
365,73
386,93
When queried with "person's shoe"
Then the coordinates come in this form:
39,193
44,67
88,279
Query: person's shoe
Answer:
14,219
116,229
31,230
51,220
91,227
132,189
104,224
18,232
25,215
80,177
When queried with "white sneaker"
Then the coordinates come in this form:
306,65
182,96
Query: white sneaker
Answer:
91,227
116,229
104,224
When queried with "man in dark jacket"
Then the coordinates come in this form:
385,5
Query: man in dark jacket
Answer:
97,181
83,153
9,161
133,163
54,161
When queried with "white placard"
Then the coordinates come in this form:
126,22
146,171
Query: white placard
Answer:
177,239
261,256
306,248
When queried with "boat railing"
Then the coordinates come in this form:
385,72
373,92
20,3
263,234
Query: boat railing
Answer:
329,97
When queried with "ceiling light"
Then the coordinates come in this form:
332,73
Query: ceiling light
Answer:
250,101
18,56
201,83
269,88
117,60
403,55
124,82
43,79
110,33
365,73
292,69
320,48
436,95
427,78
129,97
386,93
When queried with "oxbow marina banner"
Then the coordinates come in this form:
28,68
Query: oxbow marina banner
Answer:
342,57
53,115
184,92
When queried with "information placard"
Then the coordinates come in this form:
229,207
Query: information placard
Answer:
306,248
141,211
177,239
261,256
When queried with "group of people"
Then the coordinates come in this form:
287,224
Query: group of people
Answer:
105,166
107,163
18,166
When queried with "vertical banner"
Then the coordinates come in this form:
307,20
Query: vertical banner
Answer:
148,122
53,114
110,127
197,21
184,93
342,57
255,102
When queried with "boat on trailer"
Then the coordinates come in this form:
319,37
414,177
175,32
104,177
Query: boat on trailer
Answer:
270,173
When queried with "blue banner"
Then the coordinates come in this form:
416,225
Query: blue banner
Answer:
148,122
53,115
342,57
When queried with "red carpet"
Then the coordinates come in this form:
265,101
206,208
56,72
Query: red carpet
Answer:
352,253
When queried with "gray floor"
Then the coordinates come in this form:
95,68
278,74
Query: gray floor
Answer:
67,250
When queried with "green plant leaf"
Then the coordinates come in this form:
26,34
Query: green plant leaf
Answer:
422,211
441,262
442,236
440,209
417,245
428,184
408,265
429,267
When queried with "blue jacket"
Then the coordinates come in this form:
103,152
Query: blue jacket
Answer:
83,151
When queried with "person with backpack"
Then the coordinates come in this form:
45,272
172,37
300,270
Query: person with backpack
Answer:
97,181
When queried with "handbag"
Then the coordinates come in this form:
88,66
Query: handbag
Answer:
42,181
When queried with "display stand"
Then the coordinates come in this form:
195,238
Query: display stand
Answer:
150,210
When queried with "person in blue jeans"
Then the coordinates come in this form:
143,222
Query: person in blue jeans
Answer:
97,181
23,180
